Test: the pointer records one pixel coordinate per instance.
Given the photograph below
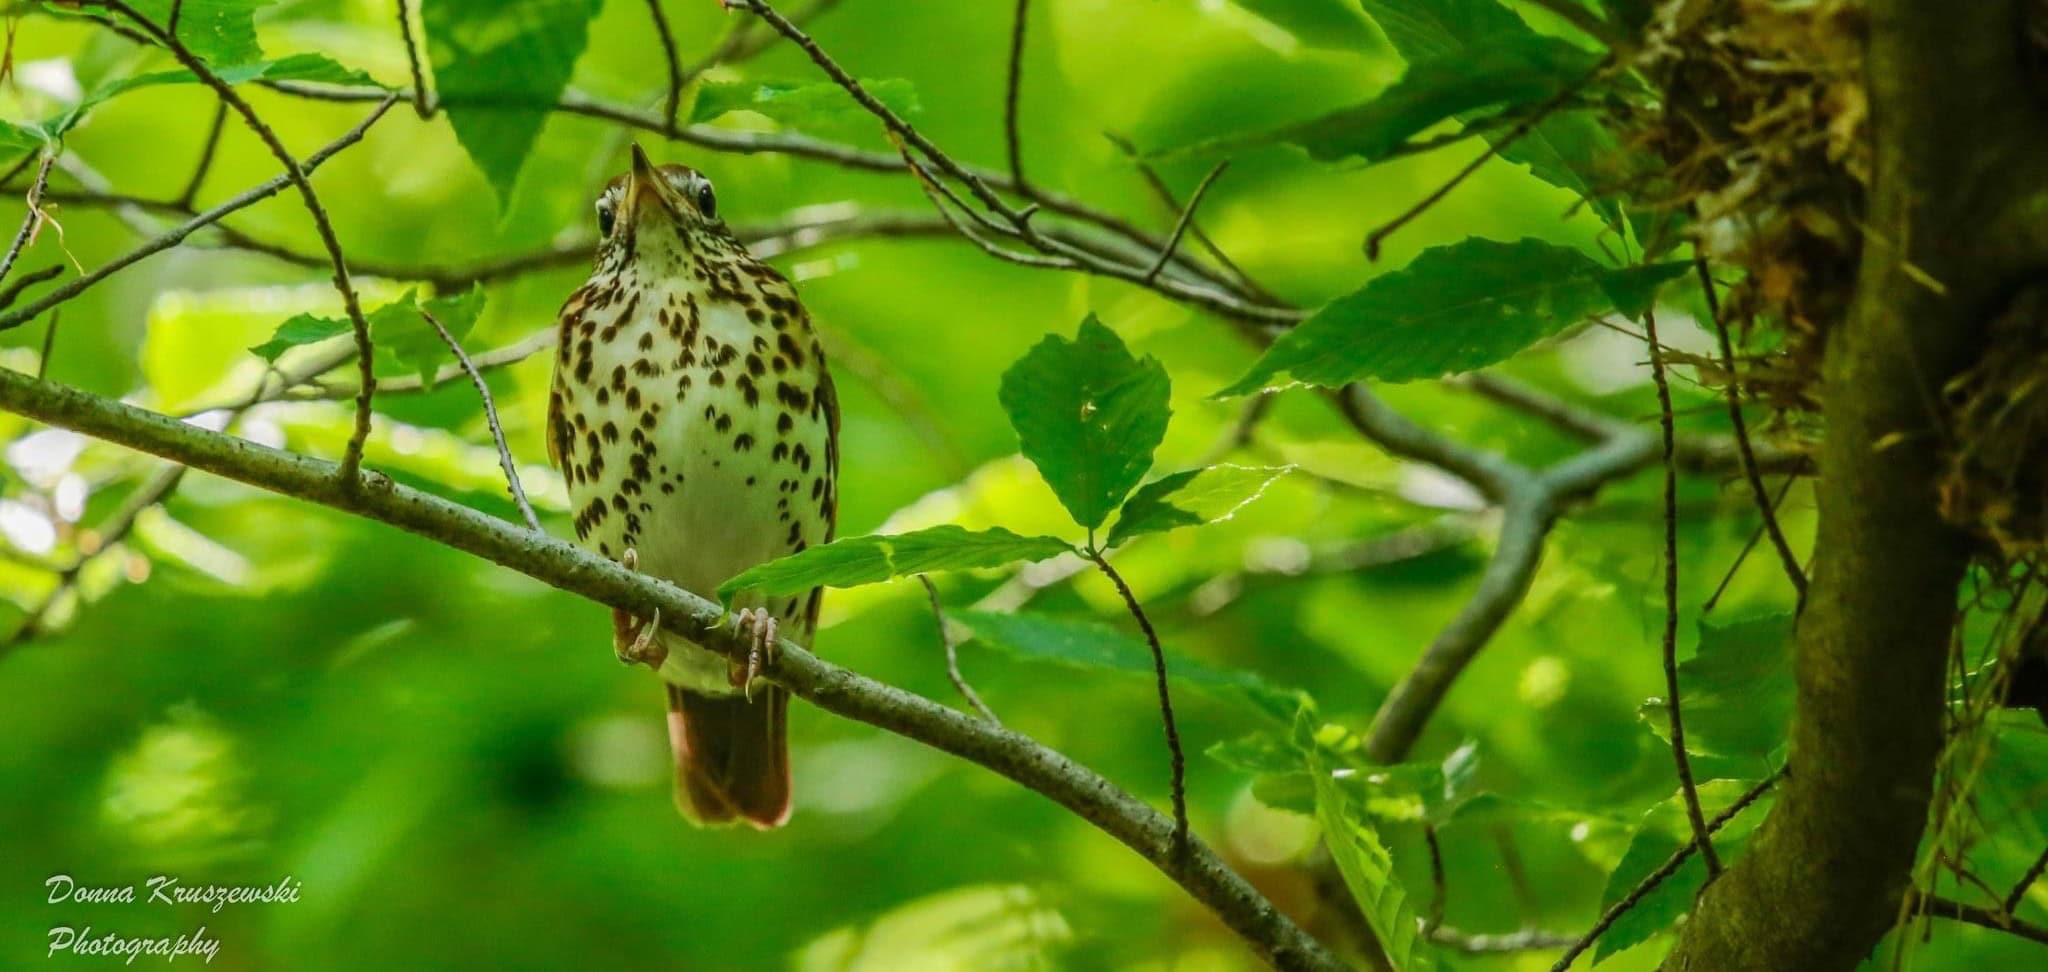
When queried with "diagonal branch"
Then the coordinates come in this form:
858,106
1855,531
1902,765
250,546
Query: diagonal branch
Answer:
555,562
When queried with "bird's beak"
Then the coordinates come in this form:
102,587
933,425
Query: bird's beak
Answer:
642,168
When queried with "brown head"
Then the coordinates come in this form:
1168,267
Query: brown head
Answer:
658,209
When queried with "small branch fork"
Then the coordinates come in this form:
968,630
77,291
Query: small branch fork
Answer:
483,391
953,655
352,456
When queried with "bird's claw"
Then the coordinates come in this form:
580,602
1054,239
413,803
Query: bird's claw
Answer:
644,649
760,628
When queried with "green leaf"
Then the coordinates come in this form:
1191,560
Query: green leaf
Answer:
1191,498
219,31
1088,415
298,331
500,68
298,67
871,559
1421,28
1454,309
1665,829
1086,644
819,106
413,341
1336,24
1504,71
1363,860
1634,290
1737,690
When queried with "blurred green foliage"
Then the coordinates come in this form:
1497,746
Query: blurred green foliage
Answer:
447,759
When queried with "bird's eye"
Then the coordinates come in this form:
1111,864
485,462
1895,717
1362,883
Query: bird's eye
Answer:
605,216
707,202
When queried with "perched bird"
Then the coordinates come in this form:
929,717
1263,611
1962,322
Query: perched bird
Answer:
697,428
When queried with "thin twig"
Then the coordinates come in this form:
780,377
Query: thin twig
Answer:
1010,94
1240,281
34,219
1790,560
1678,753
1187,218
483,391
422,102
1953,910
352,454
206,152
12,291
953,655
1664,871
1493,148
1438,889
2026,882
1180,796
49,343
673,103
1748,546
1526,940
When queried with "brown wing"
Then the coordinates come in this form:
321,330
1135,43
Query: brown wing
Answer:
557,428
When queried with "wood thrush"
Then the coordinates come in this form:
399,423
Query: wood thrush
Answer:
697,428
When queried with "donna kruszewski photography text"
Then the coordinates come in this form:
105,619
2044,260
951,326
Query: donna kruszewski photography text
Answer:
162,889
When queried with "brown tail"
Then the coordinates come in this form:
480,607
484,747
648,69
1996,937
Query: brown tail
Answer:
732,757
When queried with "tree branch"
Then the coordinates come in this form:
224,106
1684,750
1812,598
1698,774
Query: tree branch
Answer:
1205,876
1825,874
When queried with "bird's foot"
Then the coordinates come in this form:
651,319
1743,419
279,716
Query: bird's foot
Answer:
760,628
643,649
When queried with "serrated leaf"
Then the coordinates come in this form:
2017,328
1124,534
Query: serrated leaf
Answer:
1663,830
500,68
219,31
1634,289
1191,498
1088,414
875,558
1086,644
1363,860
1454,309
1737,690
811,106
299,331
1335,24
1504,71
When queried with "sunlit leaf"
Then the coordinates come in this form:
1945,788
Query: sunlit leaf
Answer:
1318,23
810,106
1363,860
1736,691
1191,498
219,31
1456,308
499,68
1088,414
298,331
1087,644
1504,71
876,558
1663,831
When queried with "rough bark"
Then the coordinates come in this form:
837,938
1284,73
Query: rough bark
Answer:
1958,149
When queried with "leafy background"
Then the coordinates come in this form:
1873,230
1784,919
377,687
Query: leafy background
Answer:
449,760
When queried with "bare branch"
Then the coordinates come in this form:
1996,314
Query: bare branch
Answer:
1764,506
1187,218
1671,700
2026,882
422,100
352,456
1192,864
671,104
1010,94
1181,835
33,220
172,237
1985,918
206,152
953,655
483,391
